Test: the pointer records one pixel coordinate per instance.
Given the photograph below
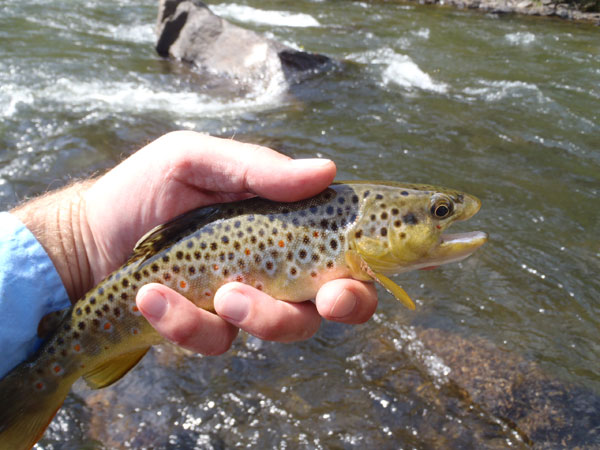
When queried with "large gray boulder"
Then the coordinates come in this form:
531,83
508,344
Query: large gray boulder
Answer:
226,53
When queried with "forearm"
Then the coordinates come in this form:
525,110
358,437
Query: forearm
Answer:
57,220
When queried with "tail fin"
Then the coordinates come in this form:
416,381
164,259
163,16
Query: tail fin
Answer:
27,408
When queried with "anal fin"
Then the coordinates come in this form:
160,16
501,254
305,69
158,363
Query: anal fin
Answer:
112,371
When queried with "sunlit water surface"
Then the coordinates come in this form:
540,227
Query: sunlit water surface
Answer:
506,108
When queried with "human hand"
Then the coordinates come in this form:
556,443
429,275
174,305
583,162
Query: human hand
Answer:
174,174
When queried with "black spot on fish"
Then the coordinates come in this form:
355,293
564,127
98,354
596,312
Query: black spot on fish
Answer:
154,267
355,199
237,245
191,270
261,232
225,272
290,256
105,308
100,291
146,273
305,239
395,211
271,217
190,244
366,194
213,246
261,246
202,268
166,276
203,245
125,282
227,228
329,264
96,322
293,271
285,211
270,241
78,311
51,350
379,196
166,258
98,313
257,259
397,223
179,255
314,257
110,297
404,193
117,312
176,268
269,265
230,256
81,325
188,257
75,335
241,263
275,231
124,296
222,256
329,210
253,239
334,226
324,223
67,327
410,219
384,215
302,254
333,244
137,276
225,239
341,200
88,309
93,300
402,235
373,217
383,231
313,209
358,234
290,237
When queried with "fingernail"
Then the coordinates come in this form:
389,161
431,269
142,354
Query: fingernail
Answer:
310,163
344,304
233,305
153,304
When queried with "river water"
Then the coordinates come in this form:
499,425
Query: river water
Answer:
504,107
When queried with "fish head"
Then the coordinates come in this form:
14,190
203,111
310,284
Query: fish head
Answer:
402,226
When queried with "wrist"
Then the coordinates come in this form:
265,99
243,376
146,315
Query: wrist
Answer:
58,222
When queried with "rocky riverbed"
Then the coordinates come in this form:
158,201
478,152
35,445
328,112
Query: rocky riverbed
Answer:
528,7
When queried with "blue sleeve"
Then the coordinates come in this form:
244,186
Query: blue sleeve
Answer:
30,288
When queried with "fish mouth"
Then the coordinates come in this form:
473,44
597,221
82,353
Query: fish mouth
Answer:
456,247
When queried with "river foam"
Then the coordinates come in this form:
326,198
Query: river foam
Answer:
400,70
242,13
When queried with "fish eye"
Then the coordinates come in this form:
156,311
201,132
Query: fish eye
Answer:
442,209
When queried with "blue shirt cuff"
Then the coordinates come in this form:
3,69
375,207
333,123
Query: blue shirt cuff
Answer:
30,288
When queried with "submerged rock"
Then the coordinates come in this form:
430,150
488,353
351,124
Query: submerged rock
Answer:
227,55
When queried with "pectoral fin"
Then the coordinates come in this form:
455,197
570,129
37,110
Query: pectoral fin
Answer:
392,288
111,371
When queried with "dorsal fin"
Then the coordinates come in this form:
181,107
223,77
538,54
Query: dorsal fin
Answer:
168,233
111,371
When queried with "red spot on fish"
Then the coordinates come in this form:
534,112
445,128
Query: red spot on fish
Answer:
215,267
107,326
315,234
39,386
281,244
247,251
439,227
182,284
77,348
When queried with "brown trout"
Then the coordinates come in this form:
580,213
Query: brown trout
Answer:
364,230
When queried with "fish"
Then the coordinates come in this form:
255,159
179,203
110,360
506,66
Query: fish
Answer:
366,230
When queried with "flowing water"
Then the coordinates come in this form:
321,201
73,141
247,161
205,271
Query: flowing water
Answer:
504,107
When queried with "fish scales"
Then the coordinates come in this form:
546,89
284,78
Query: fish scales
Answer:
288,250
